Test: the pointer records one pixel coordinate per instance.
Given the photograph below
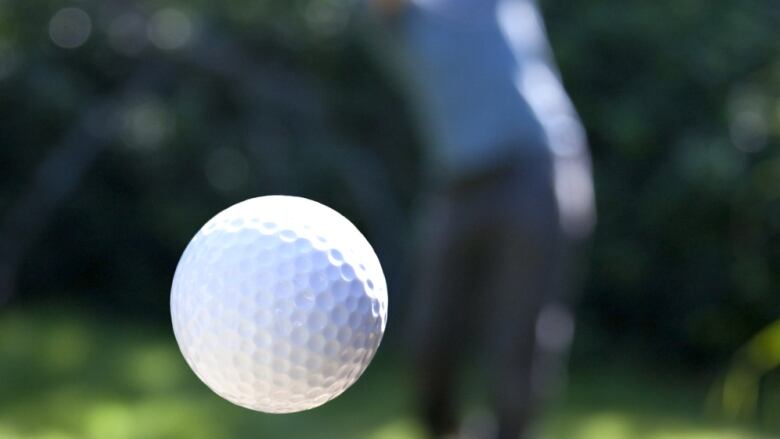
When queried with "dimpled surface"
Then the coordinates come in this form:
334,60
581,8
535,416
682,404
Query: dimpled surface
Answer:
278,304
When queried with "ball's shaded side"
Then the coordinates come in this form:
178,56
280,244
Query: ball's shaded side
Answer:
278,304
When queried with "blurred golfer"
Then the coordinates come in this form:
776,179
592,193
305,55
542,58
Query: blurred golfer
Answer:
510,196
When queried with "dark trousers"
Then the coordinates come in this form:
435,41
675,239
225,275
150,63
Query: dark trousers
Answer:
494,268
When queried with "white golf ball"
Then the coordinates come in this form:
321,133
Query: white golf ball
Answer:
278,304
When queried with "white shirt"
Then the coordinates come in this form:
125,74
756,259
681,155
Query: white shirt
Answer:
483,82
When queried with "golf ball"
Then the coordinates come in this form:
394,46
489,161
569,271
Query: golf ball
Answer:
278,304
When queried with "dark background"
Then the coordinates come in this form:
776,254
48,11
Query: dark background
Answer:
125,125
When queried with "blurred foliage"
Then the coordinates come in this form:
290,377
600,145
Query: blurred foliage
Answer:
254,101
80,376
127,129
738,394
682,103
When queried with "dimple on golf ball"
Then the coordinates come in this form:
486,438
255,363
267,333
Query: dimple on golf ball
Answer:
278,304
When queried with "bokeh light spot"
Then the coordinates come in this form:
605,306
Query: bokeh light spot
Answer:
749,114
69,28
146,124
169,29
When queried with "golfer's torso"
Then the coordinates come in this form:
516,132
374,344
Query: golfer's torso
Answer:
465,62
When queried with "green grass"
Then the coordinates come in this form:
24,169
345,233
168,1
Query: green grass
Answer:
63,376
